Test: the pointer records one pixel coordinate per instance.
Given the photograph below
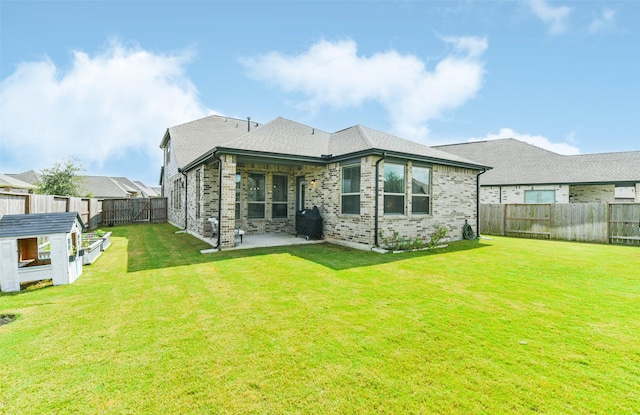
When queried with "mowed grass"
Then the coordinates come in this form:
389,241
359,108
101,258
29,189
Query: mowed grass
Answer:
497,326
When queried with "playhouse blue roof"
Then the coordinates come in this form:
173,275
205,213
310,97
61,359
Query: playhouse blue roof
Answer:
38,224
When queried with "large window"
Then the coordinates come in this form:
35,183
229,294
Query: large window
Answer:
540,196
393,189
177,196
420,190
198,193
256,195
351,189
238,194
280,196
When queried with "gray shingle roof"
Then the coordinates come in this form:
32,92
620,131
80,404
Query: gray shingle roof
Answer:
37,224
283,136
9,181
515,162
193,139
102,187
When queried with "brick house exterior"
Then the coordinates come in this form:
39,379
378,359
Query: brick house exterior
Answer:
524,173
267,173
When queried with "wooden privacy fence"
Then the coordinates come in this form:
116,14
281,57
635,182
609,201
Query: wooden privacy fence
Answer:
121,211
23,203
617,223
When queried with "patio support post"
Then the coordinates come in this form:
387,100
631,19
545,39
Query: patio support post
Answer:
227,201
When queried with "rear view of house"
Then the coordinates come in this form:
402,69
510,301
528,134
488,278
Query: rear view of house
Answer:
365,182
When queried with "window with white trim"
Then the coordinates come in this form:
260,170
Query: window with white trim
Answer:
198,193
394,178
238,194
539,196
256,195
279,196
420,190
351,189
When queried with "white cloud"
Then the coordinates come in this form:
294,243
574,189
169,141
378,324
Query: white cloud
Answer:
555,17
603,22
332,74
536,140
103,107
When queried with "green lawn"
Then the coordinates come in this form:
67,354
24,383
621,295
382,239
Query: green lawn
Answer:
497,326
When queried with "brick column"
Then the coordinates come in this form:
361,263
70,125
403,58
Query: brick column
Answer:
228,212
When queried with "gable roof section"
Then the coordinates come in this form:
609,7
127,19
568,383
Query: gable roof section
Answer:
193,139
30,176
11,182
518,163
103,186
281,138
375,139
38,224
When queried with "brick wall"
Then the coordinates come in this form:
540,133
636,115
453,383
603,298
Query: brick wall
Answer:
453,200
604,193
515,194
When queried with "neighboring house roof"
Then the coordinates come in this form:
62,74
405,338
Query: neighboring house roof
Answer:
102,186
192,143
114,187
38,224
7,181
30,176
147,191
515,162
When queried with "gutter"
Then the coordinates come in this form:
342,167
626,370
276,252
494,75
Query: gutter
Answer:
292,158
376,213
215,156
478,202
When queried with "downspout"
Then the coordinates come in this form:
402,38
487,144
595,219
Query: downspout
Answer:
215,156
478,202
186,193
377,198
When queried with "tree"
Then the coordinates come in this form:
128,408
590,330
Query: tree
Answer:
61,179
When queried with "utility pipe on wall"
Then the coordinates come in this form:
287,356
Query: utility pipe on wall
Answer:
478,202
375,228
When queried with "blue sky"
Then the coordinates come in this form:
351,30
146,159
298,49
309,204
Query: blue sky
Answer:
101,81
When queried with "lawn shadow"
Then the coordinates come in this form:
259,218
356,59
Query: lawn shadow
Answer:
159,246
30,287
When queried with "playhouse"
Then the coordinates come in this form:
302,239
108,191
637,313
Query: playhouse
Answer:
40,246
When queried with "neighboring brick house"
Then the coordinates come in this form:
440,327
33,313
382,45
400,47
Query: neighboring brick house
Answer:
271,171
524,173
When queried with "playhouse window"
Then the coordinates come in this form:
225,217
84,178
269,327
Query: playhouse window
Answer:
29,253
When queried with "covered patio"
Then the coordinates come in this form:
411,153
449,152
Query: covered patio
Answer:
262,241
